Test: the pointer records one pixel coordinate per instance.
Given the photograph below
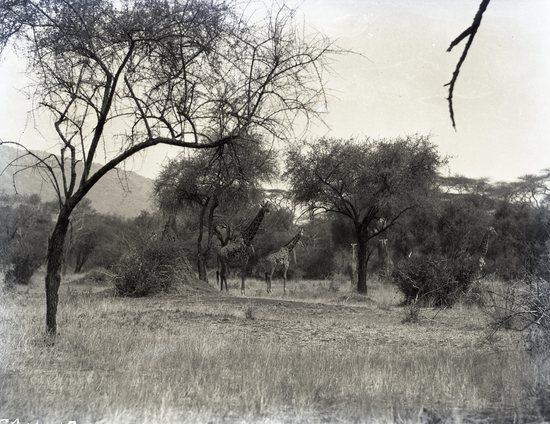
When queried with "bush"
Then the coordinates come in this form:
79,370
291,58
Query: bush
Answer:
434,279
318,263
24,260
412,313
151,266
23,244
534,313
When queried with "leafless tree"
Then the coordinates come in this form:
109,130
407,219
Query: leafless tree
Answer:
119,77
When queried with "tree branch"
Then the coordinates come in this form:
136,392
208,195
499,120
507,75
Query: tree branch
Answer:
469,33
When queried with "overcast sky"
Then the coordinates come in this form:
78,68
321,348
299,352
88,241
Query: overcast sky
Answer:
502,98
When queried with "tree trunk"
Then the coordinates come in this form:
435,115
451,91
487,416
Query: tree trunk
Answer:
55,264
203,252
361,262
201,266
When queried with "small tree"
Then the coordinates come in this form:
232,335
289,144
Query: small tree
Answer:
364,181
120,77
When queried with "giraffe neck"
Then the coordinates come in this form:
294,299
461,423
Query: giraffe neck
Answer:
250,231
484,247
293,242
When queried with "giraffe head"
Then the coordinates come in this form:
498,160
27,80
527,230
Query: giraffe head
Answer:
265,206
491,230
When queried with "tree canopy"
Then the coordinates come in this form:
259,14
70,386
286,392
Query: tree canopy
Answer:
371,182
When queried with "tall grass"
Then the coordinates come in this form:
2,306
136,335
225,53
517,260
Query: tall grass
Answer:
111,365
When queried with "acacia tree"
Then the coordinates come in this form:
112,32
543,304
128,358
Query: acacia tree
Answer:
372,183
116,78
229,178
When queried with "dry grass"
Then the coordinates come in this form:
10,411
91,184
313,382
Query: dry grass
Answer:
202,359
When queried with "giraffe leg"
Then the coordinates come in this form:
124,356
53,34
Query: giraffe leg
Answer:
270,276
266,282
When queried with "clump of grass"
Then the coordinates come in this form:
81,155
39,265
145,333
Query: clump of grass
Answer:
249,311
411,313
337,281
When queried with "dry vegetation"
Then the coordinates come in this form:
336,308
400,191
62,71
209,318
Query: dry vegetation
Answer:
316,354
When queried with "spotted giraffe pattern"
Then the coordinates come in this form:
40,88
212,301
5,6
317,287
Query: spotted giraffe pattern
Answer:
239,251
281,258
484,248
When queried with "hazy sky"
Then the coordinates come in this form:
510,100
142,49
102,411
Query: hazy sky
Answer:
502,98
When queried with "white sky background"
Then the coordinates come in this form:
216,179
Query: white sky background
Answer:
502,97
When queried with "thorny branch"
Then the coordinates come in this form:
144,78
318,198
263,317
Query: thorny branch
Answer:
470,34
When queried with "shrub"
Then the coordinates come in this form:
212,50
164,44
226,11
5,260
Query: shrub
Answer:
23,244
24,260
535,313
249,311
412,313
434,279
148,268
318,263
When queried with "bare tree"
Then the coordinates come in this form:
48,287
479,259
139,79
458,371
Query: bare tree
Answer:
119,77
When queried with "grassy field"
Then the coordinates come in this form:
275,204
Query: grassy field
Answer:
315,354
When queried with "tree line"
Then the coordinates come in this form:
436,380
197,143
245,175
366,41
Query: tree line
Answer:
366,193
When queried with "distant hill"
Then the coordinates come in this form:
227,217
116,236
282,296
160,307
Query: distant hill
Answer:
121,193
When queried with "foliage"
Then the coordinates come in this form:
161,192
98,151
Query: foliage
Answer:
149,267
371,183
230,175
523,237
23,238
434,279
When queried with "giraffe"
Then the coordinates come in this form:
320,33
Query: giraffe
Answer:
484,247
238,251
281,257
384,256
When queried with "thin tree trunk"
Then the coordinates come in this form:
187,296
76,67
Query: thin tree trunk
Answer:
201,262
201,265
202,253
55,263
361,262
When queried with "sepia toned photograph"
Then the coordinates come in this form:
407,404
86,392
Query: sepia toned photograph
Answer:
274,211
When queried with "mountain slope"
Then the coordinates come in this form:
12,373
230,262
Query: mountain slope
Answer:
122,193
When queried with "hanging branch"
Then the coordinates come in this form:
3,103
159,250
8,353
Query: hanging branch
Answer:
469,33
